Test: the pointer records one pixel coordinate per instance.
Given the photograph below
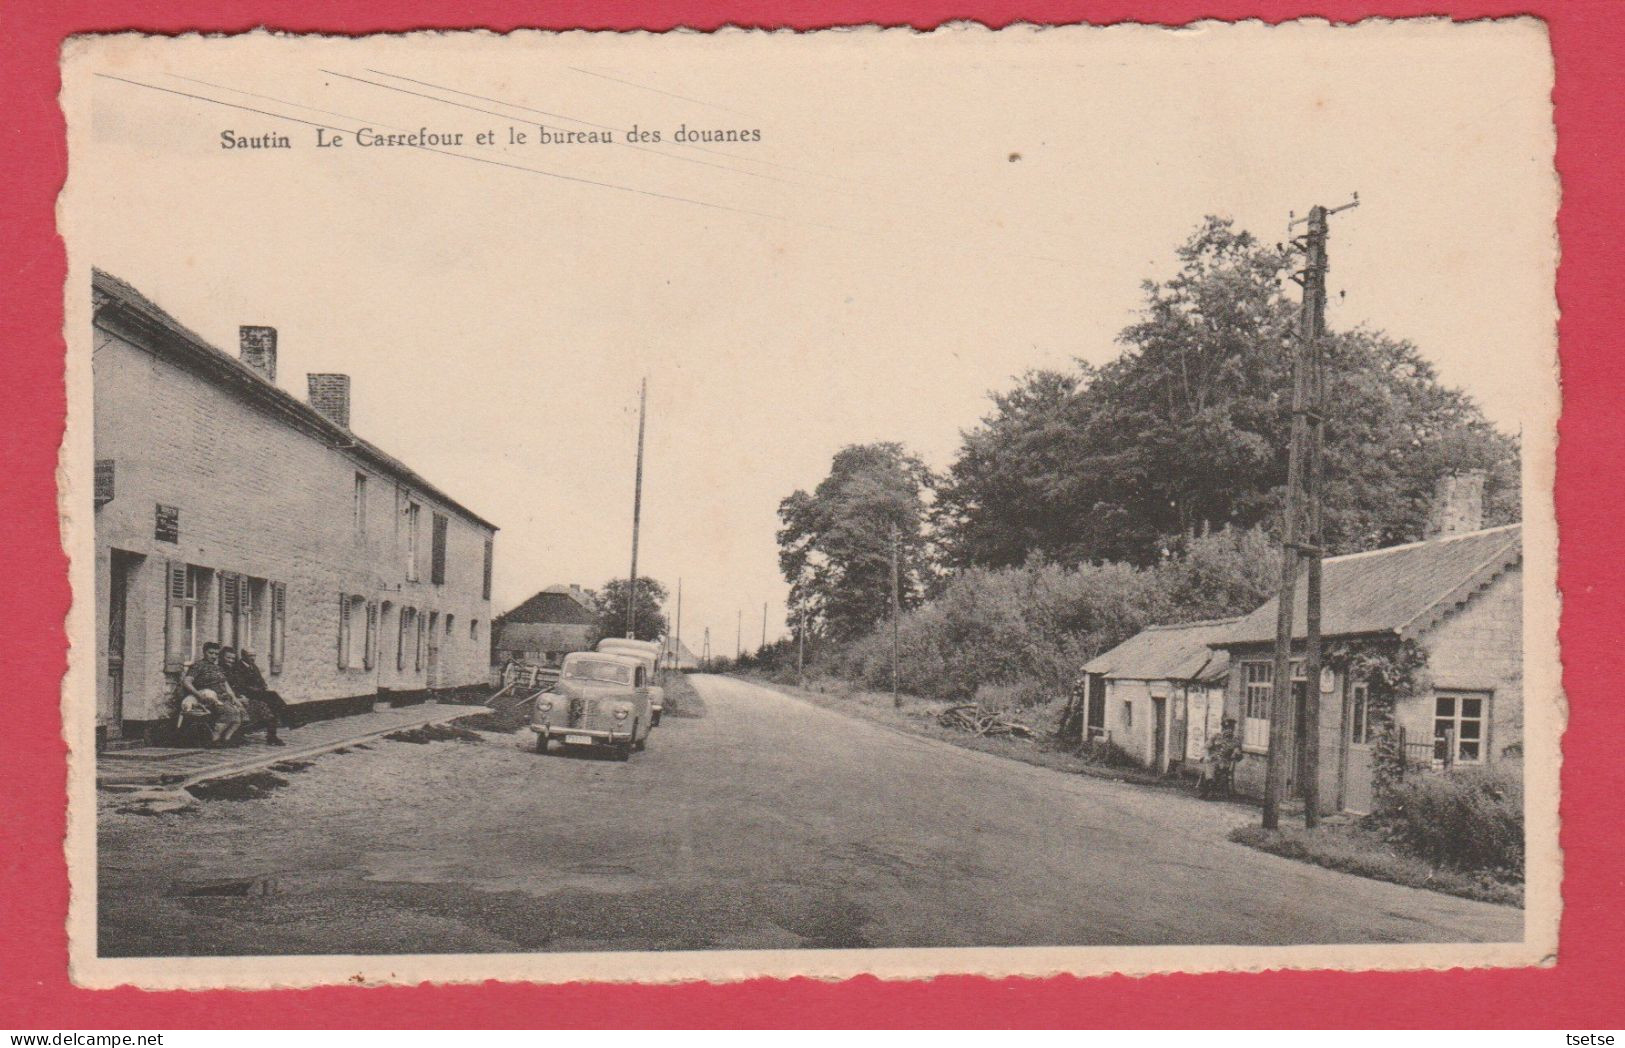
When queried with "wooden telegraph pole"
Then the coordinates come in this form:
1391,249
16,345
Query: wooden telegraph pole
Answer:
739,635
637,514
1303,486
677,650
896,613
764,627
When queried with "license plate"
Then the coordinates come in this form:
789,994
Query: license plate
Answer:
578,740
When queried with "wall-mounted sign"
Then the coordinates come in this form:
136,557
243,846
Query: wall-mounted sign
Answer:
104,482
168,526
1328,680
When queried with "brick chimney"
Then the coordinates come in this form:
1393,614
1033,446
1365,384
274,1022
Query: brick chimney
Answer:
257,348
1458,504
330,395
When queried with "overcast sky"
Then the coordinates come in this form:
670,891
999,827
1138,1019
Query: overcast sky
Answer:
923,219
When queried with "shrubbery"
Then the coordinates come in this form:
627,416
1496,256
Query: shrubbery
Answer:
1469,818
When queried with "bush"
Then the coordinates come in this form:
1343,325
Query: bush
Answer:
1469,818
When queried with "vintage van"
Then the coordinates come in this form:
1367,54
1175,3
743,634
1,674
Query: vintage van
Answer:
601,701
649,652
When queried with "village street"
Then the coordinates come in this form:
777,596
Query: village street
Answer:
767,823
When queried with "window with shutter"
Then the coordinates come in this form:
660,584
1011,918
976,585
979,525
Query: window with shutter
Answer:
405,631
437,552
486,584
279,626
372,636
412,542
417,646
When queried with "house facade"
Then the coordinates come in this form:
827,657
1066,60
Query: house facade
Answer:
1458,599
1159,696
229,510
548,626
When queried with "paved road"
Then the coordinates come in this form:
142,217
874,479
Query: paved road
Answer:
769,823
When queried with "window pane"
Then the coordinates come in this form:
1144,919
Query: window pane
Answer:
1469,729
1469,751
1471,707
1445,706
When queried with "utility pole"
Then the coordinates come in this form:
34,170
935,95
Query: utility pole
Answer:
1303,485
896,612
677,650
764,627
637,514
739,635
801,646
705,660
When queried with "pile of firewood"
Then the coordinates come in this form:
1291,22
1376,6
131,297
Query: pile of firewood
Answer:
979,721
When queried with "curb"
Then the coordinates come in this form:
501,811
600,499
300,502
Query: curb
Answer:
269,756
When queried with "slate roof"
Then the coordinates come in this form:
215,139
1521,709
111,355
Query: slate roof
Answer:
543,636
1401,590
1178,651
554,604
226,371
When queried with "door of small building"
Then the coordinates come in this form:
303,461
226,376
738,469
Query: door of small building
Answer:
1159,732
118,602
1357,793
431,668
1179,716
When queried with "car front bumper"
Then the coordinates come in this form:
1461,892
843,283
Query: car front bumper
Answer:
596,736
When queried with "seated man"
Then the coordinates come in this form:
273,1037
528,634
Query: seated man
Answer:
251,690
206,682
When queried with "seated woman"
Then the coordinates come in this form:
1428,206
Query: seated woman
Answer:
263,708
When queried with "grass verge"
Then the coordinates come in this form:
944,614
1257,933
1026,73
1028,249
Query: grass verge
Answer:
1351,848
681,698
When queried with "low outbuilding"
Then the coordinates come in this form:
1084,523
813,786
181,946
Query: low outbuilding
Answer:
1159,696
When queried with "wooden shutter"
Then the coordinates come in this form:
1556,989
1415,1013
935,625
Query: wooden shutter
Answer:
372,635
486,584
225,605
344,631
176,643
400,640
279,624
437,553
417,647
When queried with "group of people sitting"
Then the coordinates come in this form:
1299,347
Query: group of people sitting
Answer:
226,692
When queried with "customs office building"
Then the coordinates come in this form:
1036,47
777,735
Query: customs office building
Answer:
228,509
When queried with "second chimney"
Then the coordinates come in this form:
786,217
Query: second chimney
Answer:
1458,504
257,348
330,395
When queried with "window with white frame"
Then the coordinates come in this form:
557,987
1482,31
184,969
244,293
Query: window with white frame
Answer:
359,509
1258,682
1459,719
1361,731
408,627
412,514
356,624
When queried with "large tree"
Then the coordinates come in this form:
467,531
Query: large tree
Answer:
650,619
835,547
1186,430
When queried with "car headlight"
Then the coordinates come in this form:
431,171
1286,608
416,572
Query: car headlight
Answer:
621,712
544,705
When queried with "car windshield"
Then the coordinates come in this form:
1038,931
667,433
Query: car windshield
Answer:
595,669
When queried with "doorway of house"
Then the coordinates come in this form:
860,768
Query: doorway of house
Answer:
431,673
1357,793
121,566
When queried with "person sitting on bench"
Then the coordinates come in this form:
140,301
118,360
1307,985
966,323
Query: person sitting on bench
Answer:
264,707
205,681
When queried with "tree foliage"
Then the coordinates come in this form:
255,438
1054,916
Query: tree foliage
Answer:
651,616
1187,429
835,545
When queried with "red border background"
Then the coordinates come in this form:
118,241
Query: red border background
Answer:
1584,989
